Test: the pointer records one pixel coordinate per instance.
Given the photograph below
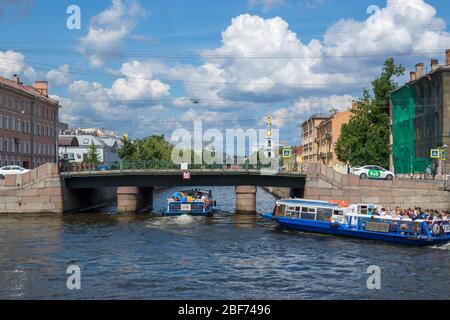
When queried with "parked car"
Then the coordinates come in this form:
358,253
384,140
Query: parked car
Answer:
103,167
8,170
373,172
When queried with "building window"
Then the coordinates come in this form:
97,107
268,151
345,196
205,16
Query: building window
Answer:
6,145
1,144
1,121
6,122
13,124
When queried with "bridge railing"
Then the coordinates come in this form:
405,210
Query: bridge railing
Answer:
163,165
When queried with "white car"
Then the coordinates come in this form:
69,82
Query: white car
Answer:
373,172
8,170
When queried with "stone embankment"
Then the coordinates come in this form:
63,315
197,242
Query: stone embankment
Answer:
324,183
42,191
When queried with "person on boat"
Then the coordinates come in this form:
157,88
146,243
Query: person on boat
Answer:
445,216
420,216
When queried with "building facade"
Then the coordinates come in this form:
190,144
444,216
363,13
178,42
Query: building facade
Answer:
28,124
320,134
328,133
74,144
309,138
420,121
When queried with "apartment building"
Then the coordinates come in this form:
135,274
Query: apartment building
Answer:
28,122
328,133
309,138
420,120
320,134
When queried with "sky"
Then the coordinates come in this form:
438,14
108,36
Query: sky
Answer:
137,66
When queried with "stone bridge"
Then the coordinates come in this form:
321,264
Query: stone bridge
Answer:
44,190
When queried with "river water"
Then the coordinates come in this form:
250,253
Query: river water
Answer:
225,257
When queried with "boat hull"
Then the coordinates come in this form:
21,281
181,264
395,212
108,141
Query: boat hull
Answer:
207,213
341,230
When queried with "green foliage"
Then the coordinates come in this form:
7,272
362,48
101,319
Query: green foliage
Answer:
364,139
155,147
128,150
92,156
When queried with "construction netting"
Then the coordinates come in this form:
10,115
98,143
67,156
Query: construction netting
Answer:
404,153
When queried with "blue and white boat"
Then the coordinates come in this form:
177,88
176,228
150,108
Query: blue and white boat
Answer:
193,202
354,221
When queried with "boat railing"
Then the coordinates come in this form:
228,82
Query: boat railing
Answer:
404,226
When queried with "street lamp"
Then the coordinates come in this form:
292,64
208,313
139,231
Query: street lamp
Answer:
444,148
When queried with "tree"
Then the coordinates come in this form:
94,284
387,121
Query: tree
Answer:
365,138
92,156
128,150
150,148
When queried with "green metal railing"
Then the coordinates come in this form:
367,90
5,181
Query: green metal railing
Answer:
159,165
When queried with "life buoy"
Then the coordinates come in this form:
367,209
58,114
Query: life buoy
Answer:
437,230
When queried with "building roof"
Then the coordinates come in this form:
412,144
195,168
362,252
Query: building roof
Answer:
412,82
321,116
25,89
68,141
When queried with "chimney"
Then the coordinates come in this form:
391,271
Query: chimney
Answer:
419,70
16,79
434,64
412,76
447,54
41,87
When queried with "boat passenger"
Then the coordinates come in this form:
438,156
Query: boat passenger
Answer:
420,216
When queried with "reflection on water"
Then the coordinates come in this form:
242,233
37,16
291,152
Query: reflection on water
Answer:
226,256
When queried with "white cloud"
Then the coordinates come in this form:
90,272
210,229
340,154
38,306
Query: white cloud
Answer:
108,29
138,83
127,105
12,63
303,108
60,76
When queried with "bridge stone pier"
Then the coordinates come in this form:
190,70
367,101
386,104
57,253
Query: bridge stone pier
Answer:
134,199
245,199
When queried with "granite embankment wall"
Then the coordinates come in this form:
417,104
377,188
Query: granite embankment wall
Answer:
42,191
323,183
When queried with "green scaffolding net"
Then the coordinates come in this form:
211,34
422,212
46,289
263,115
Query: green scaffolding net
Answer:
403,146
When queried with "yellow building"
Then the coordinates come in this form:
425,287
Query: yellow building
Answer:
319,137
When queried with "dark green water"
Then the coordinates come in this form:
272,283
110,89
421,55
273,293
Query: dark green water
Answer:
224,257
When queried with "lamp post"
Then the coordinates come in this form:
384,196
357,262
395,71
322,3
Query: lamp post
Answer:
444,148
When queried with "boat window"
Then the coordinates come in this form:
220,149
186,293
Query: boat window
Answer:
291,208
305,209
297,209
279,210
363,210
338,212
308,216
324,214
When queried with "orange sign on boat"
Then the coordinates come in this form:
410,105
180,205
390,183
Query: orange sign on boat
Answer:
340,203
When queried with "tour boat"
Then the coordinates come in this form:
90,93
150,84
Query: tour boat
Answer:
356,221
193,202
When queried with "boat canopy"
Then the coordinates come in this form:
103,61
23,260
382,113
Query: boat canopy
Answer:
306,202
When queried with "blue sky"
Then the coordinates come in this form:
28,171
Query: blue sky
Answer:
135,65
